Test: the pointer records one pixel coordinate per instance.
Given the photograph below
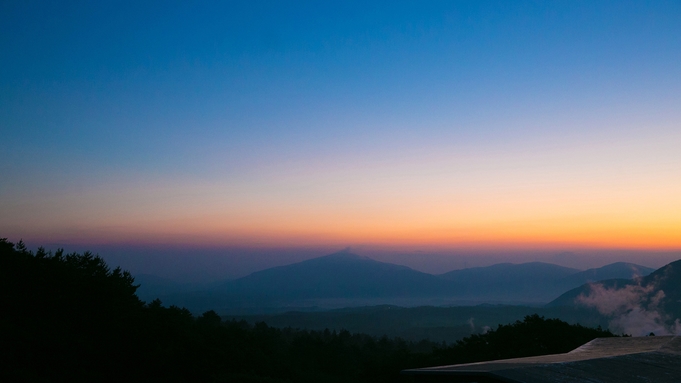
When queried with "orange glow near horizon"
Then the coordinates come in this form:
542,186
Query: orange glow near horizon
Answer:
454,125
600,197
524,219
527,234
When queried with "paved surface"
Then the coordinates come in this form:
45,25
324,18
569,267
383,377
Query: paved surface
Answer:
603,360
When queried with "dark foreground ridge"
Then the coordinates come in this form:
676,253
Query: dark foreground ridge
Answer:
606,360
70,318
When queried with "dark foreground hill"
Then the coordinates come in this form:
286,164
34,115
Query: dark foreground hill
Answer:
640,306
668,280
570,298
344,279
69,318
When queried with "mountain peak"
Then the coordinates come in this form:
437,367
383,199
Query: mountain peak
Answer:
345,254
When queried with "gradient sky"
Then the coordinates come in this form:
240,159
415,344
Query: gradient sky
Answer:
453,124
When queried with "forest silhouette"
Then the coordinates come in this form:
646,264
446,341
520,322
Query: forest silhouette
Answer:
71,318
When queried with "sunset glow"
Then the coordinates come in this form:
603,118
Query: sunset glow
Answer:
451,127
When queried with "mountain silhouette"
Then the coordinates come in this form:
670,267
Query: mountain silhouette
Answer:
569,298
618,270
338,275
648,304
534,281
344,279
529,282
666,278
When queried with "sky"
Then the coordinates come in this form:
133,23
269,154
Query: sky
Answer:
401,127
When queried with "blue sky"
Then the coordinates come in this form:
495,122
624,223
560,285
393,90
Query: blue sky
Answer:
130,120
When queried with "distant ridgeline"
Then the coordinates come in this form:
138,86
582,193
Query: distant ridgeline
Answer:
344,279
70,318
640,306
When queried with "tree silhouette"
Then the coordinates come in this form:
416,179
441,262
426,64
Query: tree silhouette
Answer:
533,336
70,318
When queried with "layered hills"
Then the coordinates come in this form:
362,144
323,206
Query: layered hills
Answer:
345,279
639,306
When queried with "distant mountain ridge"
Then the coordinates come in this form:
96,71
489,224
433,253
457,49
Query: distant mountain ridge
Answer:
346,279
651,303
532,282
338,275
611,271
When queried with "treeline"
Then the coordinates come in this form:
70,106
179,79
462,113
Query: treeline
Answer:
70,318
